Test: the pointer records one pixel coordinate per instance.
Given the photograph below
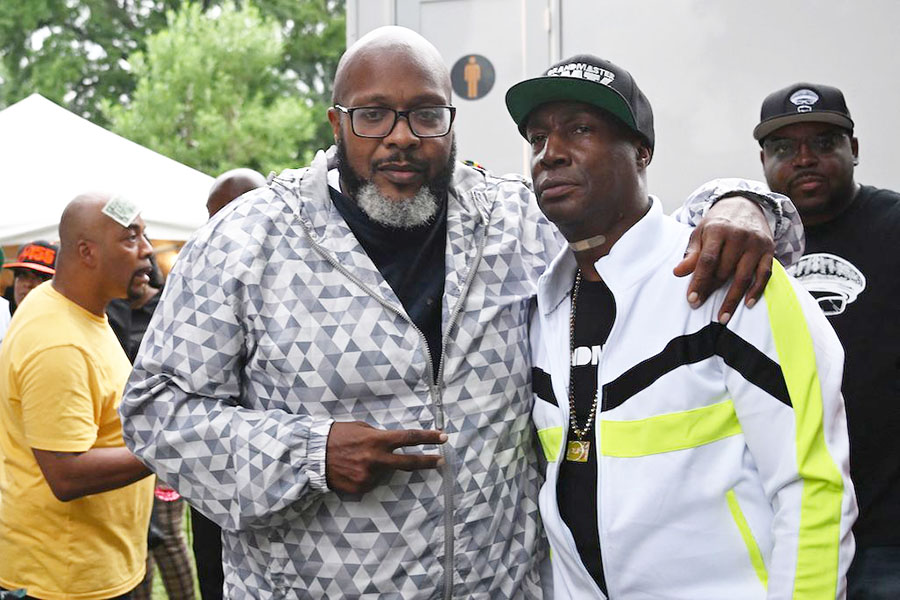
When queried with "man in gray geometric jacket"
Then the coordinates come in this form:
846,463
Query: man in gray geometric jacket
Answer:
315,334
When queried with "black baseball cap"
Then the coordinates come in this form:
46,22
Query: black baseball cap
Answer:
37,256
802,103
585,78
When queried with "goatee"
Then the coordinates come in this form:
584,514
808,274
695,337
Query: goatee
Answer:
407,213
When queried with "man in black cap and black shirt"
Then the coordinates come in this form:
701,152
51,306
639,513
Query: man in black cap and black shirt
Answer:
852,266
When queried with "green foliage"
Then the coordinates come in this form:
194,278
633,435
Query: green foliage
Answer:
211,94
315,38
73,51
89,55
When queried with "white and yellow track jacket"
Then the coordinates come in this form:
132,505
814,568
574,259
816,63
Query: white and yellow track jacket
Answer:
722,450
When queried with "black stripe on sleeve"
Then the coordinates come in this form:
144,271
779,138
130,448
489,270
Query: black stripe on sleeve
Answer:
540,383
714,339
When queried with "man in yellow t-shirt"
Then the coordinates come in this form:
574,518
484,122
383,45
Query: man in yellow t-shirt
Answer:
74,502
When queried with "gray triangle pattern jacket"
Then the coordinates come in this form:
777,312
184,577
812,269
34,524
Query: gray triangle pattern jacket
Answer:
274,322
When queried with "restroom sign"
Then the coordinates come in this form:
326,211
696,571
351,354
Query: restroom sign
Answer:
472,76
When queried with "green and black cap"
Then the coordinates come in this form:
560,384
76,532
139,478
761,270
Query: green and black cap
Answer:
585,78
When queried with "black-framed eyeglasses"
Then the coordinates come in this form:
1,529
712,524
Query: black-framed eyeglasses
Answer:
379,121
787,148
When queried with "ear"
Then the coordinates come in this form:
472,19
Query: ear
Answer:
643,155
334,117
762,158
854,147
88,253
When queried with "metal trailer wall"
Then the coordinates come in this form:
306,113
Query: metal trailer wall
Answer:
705,65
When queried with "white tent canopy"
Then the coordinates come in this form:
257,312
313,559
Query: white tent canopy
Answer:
49,155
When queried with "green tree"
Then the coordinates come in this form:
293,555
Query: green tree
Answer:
74,52
315,34
211,93
79,53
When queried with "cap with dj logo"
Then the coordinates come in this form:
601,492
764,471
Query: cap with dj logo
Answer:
588,79
802,103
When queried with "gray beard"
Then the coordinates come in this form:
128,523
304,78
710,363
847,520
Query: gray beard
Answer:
399,214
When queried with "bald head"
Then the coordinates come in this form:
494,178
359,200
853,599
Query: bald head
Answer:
230,185
82,219
99,258
394,45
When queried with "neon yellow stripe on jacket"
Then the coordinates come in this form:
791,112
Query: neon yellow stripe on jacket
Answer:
756,558
818,542
551,442
665,433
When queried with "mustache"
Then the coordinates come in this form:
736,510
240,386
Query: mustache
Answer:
402,157
810,174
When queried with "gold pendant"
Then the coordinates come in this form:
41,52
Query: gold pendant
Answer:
577,451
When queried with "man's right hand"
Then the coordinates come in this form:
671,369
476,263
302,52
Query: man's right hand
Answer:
358,455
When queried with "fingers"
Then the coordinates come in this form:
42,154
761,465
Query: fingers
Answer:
732,251
359,456
415,462
398,438
763,272
408,461
734,243
743,279
689,262
704,281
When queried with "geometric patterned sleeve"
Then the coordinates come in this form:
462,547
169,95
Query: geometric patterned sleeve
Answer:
782,215
185,412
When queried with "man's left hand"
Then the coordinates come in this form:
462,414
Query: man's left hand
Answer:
732,241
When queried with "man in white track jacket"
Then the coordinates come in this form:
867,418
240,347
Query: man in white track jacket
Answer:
687,458
318,331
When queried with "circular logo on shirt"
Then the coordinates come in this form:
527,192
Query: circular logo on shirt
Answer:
833,281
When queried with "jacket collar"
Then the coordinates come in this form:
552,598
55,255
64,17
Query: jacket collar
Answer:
306,192
469,203
633,257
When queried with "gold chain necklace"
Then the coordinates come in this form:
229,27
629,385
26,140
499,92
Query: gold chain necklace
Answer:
577,450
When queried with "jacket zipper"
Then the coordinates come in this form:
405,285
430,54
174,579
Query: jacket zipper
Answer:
449,475
435,389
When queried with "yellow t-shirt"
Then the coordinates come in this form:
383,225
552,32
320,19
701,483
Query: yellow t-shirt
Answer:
62,373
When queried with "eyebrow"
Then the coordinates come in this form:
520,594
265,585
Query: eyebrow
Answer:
422,99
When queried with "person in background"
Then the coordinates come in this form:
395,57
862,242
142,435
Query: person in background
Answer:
230,185
852,267
129,318
4,307
74,502
33,266
338,371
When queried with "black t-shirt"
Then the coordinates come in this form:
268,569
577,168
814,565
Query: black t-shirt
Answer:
576,488
130,324
410,260
852,267
9,294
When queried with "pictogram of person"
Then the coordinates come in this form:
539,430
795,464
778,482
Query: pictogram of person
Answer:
472,75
